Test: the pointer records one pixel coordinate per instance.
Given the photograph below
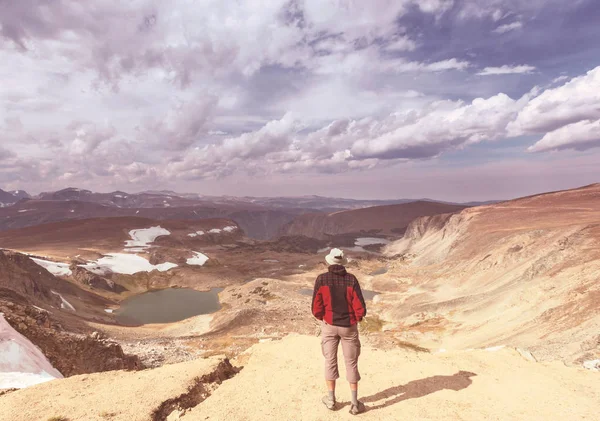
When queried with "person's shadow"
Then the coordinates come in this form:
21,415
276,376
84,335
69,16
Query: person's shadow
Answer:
419,388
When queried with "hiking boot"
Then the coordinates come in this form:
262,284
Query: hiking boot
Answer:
329,403
357,409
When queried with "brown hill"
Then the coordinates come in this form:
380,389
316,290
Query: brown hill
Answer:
522,273
257,222
110,234
382,220
21,275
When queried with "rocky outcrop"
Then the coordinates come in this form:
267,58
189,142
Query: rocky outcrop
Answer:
69,353
429,239
85,277
162,394
23,276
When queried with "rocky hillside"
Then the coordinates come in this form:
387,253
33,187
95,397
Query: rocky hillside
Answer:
381,220
521,273
69,352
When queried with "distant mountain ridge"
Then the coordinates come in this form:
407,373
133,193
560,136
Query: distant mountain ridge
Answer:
260,217
8,198
157,198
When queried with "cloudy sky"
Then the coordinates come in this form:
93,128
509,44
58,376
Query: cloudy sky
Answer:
449,99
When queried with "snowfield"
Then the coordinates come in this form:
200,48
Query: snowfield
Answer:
142,238
127,264
22,364
56,269
198,260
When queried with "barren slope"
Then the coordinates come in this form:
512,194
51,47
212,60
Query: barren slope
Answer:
523,273
387,220
282,380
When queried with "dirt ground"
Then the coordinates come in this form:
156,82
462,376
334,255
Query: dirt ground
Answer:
282,380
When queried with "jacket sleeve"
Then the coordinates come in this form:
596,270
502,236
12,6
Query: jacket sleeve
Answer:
358,301
318,309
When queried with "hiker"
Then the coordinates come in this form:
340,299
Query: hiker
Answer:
339,304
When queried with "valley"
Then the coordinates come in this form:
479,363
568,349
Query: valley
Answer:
478,287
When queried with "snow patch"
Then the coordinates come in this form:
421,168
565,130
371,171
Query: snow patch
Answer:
593,365
127,264
109,310
196,234
198,260
136,250
55,268
230,228
143,237
215,231
24,210
65,305
22,364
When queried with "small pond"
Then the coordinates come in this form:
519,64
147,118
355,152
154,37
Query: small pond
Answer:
167,306
369,241
367,295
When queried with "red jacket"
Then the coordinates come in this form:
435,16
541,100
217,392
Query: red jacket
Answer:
337,298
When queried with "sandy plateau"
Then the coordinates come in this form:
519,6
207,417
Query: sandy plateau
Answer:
489,313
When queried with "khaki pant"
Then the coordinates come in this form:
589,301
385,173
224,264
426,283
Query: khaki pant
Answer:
330,339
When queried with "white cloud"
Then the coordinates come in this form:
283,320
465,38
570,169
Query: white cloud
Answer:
575,101
369,62
442,126
580,136
144,91
507,70
88,137
435,6
402,43
183,124
353,144
502,29
560,79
